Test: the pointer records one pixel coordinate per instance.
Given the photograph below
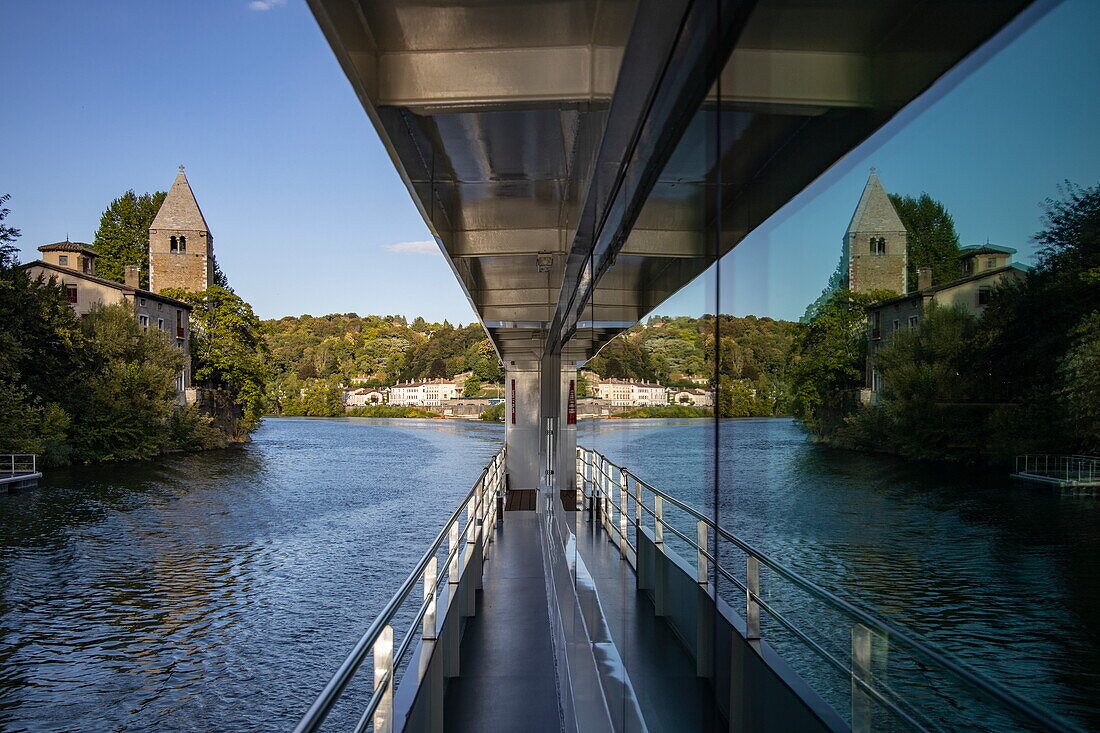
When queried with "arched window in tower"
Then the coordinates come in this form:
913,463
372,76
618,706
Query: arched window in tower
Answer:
173,246
183,244
878,245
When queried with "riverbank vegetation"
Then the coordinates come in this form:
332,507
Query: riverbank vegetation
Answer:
389,411
1022,377
669,411
102,388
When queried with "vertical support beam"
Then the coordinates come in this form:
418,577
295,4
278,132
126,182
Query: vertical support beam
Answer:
522,427
383,677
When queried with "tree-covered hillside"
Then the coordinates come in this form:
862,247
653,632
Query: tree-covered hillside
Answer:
385,349
667,349
339,348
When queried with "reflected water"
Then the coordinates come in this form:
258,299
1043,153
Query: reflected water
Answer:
1006,577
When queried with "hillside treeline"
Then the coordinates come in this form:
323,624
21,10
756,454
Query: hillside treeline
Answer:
312,354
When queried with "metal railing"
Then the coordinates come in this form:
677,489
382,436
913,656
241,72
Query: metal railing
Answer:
14,464
464,540
883,669
1085,469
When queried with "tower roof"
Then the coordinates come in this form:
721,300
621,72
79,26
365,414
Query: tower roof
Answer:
180,210
875,213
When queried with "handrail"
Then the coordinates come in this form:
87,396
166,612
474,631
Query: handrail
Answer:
598,462
490,482
19,463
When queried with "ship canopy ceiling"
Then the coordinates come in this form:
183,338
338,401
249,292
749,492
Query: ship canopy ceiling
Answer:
579,161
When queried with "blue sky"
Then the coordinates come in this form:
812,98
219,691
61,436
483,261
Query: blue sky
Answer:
309,216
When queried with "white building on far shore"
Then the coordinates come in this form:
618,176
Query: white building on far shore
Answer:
362,397
693,397
628,393
426,393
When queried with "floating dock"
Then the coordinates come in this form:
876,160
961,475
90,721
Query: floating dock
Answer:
18,471
1070,473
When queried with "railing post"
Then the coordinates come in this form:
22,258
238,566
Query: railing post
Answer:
659,521
451,641
752,611
861,672
624,510
702,573
704,616
428,629
659,568
383,675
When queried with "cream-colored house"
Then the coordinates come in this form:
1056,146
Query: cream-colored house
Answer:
628,393
693,397
362,397
72,266
426,393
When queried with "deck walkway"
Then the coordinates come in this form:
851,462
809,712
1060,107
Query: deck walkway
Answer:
507,679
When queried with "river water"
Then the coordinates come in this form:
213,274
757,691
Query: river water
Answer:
219,591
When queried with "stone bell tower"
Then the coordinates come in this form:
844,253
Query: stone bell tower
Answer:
876,243
181,247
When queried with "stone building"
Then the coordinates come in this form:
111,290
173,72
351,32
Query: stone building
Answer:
875,244
72,266
981,269
181,247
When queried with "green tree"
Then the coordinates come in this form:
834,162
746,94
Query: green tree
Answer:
123,235
930,394
228,351
1080,392
472,388
828,361
8,235
933,241
129,395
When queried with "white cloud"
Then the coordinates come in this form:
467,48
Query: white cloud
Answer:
413,248
265,4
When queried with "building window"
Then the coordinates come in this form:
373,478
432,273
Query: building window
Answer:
173,245
143,301
913,321
143,320
63,260
876,325
160,324
70,292
896,324
983,296
878,245
179,324
990,263
968,266
86,265
183,244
